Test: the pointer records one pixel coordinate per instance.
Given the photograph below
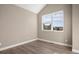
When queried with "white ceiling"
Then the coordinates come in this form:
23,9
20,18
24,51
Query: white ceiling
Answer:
36,8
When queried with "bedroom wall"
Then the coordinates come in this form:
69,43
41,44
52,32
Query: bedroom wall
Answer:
16,25
62,37
75,27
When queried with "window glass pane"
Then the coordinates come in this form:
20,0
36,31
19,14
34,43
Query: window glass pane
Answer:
46,22
58,20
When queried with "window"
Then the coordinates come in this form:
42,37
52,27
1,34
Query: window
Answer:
53,21
46,22
58,21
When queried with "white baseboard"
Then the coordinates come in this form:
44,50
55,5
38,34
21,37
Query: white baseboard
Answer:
75,51
56,42
25,42
18,44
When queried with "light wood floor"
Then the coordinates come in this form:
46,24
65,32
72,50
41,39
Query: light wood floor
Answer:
38,47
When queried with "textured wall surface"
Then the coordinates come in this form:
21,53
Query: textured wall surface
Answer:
63,37
75,27
16,25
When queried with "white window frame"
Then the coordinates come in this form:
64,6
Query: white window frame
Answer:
42,24
63,22
52,24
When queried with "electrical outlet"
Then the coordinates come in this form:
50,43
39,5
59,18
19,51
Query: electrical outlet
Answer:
66,40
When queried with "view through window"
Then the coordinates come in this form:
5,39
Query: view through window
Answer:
53,21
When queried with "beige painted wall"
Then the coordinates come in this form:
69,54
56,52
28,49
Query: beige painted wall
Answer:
16,25
75,31
57,36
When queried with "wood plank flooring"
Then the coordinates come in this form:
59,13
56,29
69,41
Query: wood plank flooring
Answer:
38,47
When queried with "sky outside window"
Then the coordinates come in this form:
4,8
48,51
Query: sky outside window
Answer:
58,19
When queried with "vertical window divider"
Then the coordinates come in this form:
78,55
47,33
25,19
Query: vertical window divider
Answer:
51,22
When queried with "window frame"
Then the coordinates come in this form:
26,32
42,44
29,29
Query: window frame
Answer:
52,21
42,24
63,21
